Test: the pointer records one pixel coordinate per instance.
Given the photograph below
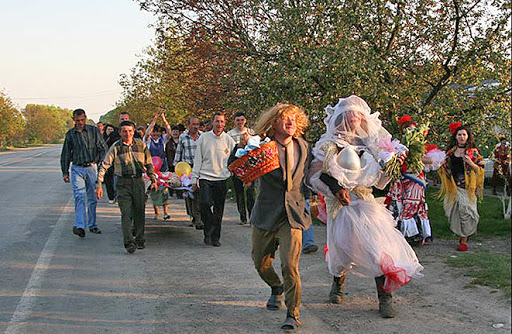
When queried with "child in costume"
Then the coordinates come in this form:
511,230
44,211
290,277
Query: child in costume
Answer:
407,195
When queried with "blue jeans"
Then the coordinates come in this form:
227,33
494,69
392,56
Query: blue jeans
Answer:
308,236
83,180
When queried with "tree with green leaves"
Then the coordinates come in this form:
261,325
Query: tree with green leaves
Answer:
443,60
46,124
11,122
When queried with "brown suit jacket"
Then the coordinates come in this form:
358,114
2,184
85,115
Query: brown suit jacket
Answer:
274,203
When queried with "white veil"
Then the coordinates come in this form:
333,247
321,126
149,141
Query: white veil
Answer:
366,136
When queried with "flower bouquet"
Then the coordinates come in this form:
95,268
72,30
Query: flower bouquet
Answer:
389,151
415,141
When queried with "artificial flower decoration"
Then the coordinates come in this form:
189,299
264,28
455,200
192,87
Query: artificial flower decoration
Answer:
404,119
454,126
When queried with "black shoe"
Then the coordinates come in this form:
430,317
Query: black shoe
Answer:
95,230
310,249
199,227
140,245
216,243
79,231
207,241
167,217
274,302
131,248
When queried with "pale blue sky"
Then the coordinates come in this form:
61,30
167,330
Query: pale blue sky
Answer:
70,53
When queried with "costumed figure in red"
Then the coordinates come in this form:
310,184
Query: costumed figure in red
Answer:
406,196
361,234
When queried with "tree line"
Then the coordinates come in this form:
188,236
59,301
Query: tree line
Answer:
440,61
35,124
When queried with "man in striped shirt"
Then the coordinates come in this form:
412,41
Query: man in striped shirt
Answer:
130,158
186,151
85,147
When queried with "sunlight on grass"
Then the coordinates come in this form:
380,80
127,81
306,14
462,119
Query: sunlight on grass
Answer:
489,269
492,223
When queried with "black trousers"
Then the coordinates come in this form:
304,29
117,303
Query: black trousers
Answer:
213,197
240,194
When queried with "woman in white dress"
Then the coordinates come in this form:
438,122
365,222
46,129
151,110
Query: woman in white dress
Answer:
361,234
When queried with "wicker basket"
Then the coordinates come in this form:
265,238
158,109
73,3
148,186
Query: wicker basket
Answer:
256,163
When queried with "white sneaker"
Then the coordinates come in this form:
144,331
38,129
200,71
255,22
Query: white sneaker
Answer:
110,201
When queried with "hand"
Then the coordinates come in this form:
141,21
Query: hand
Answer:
343,196
99,192
195,186
66,178
243,140
470,162
401,157
163,118
156,115
153,186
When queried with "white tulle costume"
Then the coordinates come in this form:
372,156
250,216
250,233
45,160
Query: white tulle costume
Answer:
361,237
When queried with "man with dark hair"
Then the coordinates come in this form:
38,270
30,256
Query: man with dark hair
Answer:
209,174
125,116
130,158
185,151
240,134
85,147
100,127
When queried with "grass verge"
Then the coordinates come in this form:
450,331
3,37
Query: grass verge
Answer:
492,223
489,269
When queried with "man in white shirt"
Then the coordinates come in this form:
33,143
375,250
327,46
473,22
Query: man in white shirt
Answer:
210,173
242,133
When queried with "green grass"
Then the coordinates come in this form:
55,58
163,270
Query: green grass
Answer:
492,223
489,269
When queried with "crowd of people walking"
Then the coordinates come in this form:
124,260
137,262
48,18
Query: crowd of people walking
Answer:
364,235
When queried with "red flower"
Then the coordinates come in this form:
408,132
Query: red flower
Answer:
454,126
404,119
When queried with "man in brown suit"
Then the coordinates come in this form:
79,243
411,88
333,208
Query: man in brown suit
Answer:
280,215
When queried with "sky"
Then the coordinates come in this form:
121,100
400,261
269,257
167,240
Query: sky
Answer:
70,53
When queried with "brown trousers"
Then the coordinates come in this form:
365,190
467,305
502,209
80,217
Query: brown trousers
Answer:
264,246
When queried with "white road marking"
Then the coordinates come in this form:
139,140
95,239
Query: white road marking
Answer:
28,299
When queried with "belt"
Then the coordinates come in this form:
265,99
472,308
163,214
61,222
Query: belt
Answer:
86,164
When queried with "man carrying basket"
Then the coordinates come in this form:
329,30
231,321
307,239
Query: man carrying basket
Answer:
279,214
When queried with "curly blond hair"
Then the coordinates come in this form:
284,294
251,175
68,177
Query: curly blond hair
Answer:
264,124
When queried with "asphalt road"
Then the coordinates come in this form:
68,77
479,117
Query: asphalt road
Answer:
54,282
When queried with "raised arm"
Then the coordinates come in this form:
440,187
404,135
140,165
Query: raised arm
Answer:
151,126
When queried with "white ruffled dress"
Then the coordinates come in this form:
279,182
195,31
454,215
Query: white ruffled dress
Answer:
361,237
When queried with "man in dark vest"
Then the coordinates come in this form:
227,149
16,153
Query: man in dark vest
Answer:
280,215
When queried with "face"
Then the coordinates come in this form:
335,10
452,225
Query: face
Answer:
175,133
193,125
240,122
286,125
109,130
219,122
127,133
156,134
354,119
123,117
100,126
80,121
461,137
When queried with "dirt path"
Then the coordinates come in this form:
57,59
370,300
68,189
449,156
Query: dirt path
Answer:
218,291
